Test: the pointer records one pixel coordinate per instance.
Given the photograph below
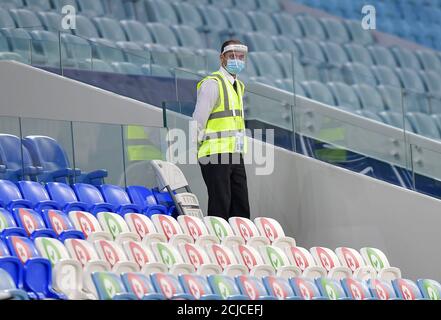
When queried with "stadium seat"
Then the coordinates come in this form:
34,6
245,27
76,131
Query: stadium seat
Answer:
170,286
253,288
37,195
357,73
90,195
288,25
92,8
358,34
266,65
134,54
221,228
327,259
84,252
169,255
188,37
369,97
335,54
319,92
269,5
112,253
89,225
51,20
344,95
214,19
352,259
277,258
272,229
198,287
9,289
225,258
8,226
432,81
37,270
369,115
118,197
59,4
109,286
312,27
85,28
429,60
32,223
251,258
410,80
79,52
356,290
423,124
143,256
263,22
19,42
171,229
65,197
331,289
6,20
66,272
196,228
106,50
145,228
381,290
10,196
257,41
117,227
238,20
306,289
357,53
386,76
109,29
310,52
430,289
248,231
395,119
60,223
406,58
144,198
382,56
304,260
140,285
188,14
25,18
407,289
196,256
18,164
335,30
377,259
136,31
280,288
283,43
127,68
160,11
162,34
225,287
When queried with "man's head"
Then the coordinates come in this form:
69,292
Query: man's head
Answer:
233,56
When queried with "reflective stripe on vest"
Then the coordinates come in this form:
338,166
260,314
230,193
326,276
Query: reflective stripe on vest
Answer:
225,120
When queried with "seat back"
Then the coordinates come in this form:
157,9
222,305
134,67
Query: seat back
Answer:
9,192
192,226
222,255
168,174
6,220
305,288
47,152
301,257
6,281
243,227
57,221
269,228
33,191
110,29
355,289
29,220
252,287
196,285
22,248
81,250
141,196
51,249
350,258
114,194
14,155
167,284
166,254
375,257
325,257
406,289
330,288
88,193
381,290
108,285
138,283
430,289
61,192
85,222
110,251
248,256
218,227
194,254
278,287
140,224
112,223
136,252
274,256
166,225
224,286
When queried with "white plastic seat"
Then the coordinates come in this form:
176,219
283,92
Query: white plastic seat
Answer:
170,256
67,273
84,252
275,257
225,258
272,229
144,257
377,259
248,231
251,258
352,259
114,255
195,227
199,259
303,259
327,258
117,227
144,227
89,225
171,229
220,228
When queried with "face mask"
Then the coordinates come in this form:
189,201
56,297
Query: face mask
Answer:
234,66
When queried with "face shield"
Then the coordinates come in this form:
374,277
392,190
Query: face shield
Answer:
236,56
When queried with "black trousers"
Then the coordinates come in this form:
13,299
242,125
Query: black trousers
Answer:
226,181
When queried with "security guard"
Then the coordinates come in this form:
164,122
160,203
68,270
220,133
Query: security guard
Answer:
222,140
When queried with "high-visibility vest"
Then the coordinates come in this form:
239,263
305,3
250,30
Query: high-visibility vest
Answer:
139,147
226,119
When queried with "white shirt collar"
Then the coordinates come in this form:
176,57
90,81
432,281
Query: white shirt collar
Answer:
227,74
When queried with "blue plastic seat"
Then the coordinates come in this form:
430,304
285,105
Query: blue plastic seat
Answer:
331,289
406,58
92,196
432,81
109,286
11,264
358,53
169,286
145,199
6,20
136,31
140,285
37,271
386,76
382,56
253,288
9,288
306,289
423,124
238,20
279,288
225,287
65,197
245,5
188,37
223,3
266,65
188,59
118,197
312,28
134,54
16,159
257,41
85,28
356,290
121,9
357,73
214,19
410,79
269,5
188,14
51,20
48,154
285,44
288,26
109,29
407,289
162,56
62,226
92,8
395,119
392,97
318,91
38,5
156,70
310,52
8,226
369,97
162,34
198,287
335,30
358,34
19,42
211,58
59,4
79,52
32,223
160,11
35,193
25,18
46,49
429,60
344,95
291,67
334,53
430,289
10,196
263,22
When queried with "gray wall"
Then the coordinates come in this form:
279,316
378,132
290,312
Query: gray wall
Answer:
317,203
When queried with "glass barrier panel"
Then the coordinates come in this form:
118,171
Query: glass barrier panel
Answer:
13,158
426,169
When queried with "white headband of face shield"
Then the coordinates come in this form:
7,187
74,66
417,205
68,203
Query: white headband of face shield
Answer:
236,47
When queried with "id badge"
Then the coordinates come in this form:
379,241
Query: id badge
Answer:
239,142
